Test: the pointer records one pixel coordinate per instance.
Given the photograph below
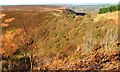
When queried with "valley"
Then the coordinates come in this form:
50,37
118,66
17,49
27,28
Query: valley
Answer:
57,38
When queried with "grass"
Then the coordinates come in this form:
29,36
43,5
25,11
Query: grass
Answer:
58,36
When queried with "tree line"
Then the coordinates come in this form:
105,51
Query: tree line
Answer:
109,9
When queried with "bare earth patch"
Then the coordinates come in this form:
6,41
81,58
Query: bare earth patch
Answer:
2,15
9,20
5,25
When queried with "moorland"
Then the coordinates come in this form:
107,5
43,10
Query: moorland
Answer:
56,38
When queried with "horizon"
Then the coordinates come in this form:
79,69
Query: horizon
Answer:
59,2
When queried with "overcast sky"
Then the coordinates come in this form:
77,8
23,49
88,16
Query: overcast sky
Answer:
20,2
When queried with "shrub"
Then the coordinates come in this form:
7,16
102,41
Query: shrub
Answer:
109,9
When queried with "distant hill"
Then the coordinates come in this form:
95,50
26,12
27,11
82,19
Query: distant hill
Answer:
88,8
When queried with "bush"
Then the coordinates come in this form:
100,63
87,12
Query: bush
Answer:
109,9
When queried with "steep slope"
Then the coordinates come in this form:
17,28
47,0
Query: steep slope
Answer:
54,40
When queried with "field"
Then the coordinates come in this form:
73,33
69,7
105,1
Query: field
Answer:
55,38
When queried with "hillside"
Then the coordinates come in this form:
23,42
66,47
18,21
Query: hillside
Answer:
53,40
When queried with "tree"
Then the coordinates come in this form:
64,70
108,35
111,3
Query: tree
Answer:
109,9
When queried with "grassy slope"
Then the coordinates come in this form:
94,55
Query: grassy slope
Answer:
62,41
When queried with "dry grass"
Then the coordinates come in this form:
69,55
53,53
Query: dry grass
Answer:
62,40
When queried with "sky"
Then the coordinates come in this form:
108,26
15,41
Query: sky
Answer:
39,2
